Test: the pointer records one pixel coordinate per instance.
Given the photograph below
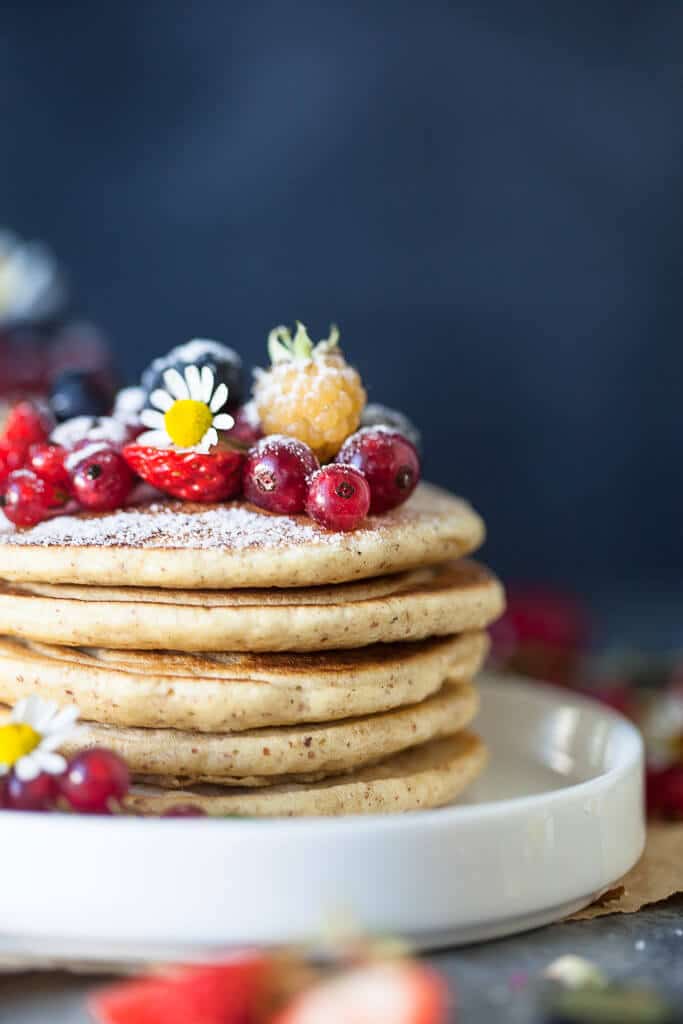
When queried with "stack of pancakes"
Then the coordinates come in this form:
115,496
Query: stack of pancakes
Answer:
256,664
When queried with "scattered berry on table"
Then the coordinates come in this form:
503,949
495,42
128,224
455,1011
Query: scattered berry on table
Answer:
309,392
28,500
95,781
221,359
185,811
101,479
39,794
277,472
389,462
190,475
47,462
78,393
338,497
376,415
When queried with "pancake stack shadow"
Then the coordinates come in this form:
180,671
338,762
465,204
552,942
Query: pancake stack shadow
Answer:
349,693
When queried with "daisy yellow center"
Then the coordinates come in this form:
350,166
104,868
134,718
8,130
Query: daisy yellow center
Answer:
16,741
187,421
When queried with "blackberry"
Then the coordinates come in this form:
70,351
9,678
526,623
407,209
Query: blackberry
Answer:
222,360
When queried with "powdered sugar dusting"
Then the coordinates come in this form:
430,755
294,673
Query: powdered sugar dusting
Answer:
162,526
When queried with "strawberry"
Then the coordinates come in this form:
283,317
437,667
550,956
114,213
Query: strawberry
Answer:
395,993
26,424
193,476
228,993
10,459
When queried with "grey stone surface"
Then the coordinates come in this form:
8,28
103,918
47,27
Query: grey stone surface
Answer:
491,983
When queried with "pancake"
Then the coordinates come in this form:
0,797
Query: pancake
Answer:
184,545
263,756
430,775
457,597
231,692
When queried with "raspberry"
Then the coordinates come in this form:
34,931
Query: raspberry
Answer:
10,459
390,463
277,473
47,462
192,476
94,781
28,499
310,392
101,479
338,497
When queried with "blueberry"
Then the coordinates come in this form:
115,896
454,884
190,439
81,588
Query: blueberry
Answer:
78,393
376,415
224,361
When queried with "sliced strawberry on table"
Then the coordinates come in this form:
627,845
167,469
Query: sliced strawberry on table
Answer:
193,476
227,993
399,993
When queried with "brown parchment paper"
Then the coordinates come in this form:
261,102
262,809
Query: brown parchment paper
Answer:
657,876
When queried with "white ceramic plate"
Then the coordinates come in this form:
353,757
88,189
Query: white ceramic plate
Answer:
556,818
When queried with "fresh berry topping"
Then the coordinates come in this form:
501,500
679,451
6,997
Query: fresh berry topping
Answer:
91,428
376,415
39,794
47,462
247,427
185,811
277,473
26,424
338,497
28,499
310,392
10,459
78,393
389,462
101,479
381,993
223,361
95,781
192,476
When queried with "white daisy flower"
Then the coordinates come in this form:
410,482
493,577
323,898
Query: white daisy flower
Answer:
30,740
186,413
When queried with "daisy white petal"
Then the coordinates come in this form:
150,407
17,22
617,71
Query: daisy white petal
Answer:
27,768
19,710
152,418
194,382
57,739
207,383
161,399
209,440
44,721
176,384
223,421
64,719
154,438
53,764
32,711
220,397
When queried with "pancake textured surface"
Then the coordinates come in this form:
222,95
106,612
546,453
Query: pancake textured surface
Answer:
232,692
180,545
430,775
265,756
457,597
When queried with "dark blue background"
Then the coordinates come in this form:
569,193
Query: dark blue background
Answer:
486,197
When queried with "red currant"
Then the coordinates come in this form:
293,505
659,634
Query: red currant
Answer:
184,811
39,794
28,499
47,462
277,472
94,781
389,461
101,479
338,497
27,424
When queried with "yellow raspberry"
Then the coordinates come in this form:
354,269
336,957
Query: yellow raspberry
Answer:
310,392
